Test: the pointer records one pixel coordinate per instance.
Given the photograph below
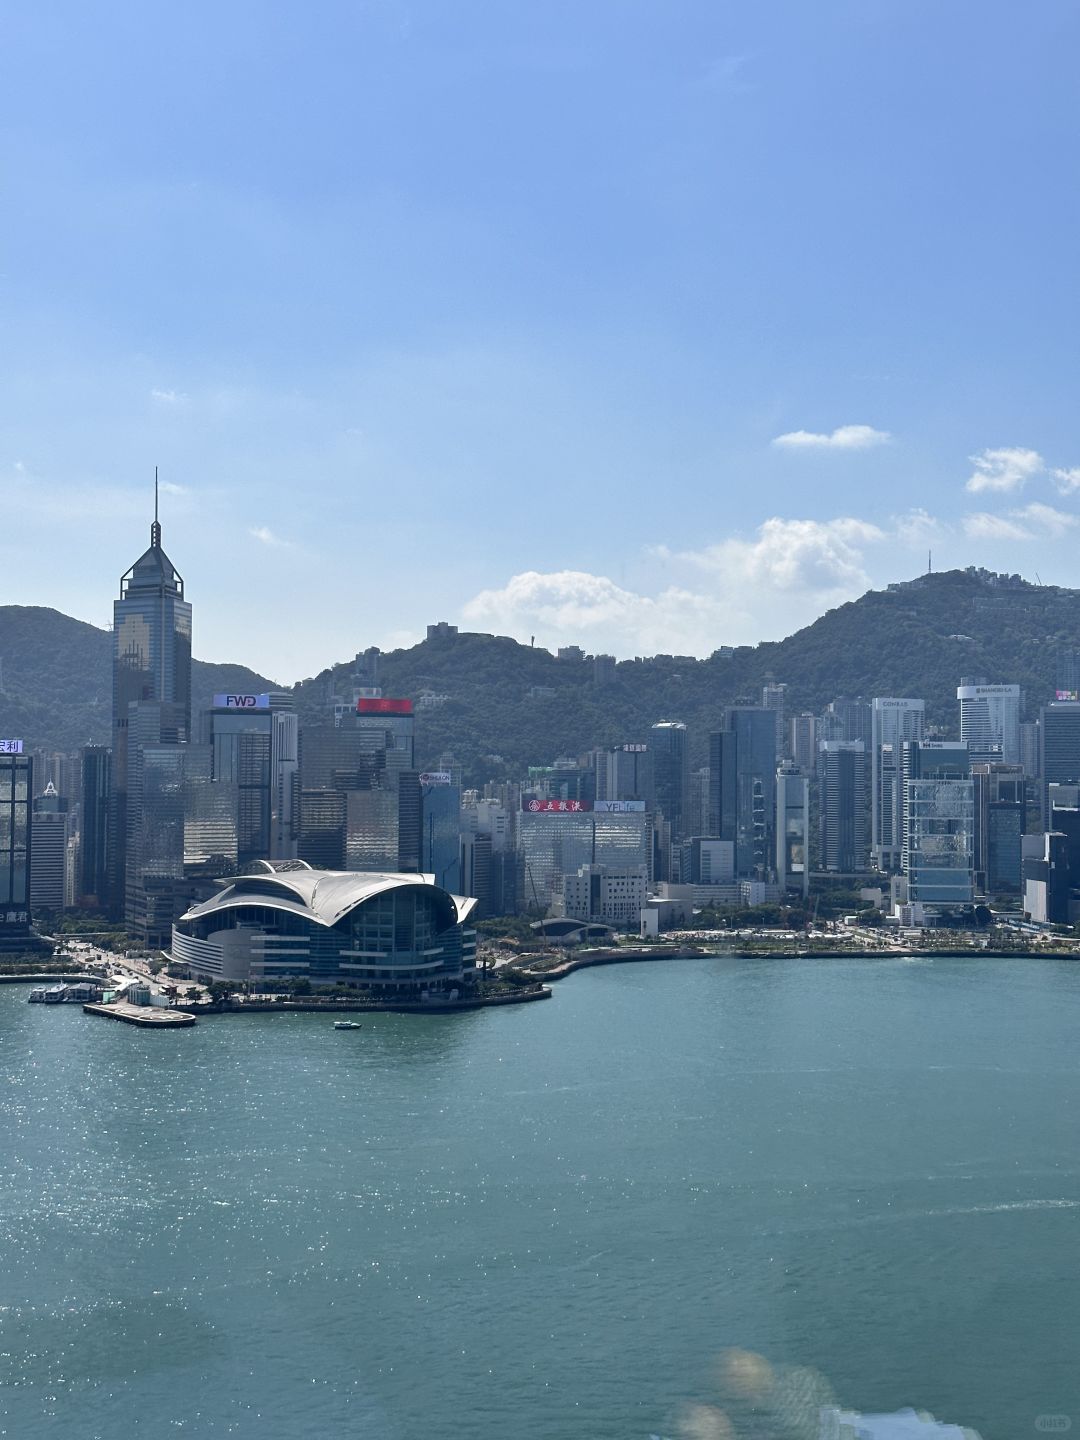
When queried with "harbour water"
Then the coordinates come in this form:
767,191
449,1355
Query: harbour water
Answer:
547,1221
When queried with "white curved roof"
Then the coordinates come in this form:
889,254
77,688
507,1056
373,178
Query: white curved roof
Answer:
323,896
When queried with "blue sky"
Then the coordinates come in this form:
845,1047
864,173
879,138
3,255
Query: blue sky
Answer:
641,326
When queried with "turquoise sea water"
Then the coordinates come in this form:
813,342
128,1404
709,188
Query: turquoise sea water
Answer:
547,1220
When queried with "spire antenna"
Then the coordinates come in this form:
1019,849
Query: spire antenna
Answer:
155,528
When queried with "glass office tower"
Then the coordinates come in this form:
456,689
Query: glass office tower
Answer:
939,824
151,666
16,777
93,886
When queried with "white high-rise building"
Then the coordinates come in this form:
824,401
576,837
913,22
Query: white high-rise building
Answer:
990,720
892,722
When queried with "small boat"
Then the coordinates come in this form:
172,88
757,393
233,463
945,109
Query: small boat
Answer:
346,1025
37,995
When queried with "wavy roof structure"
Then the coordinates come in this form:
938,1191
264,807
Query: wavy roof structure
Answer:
323,896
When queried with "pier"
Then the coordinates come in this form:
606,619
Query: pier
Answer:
150,1017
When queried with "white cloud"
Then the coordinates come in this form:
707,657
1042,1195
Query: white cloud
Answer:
564,604
982,526
1006,469
1054,522
168,397
845,437
819,555
266,536
917,528
725,74
788,571
1029,523
1067,481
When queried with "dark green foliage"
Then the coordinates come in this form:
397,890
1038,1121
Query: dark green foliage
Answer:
891,642
57,674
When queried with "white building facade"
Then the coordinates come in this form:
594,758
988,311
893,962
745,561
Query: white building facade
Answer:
990,721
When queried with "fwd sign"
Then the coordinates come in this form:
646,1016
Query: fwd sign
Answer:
241,702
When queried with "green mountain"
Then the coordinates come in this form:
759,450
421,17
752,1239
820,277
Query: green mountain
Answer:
56,679
497,706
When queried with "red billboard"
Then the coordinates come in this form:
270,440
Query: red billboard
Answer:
384,707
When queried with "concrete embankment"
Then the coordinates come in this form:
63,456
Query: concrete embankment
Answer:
356,1007
51,977
633,957
611,957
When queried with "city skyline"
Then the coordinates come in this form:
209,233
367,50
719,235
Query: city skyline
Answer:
602,259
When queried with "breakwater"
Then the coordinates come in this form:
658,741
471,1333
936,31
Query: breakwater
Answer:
397,1007
632,957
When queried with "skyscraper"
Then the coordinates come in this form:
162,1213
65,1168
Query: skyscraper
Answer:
625,772
939,825
16,779
48,850
990,720
847,719
671,773
793,829
1000,792
742,788
1059,748
255,746
93,881
440,831
892,722
774,698
804,741
368,761
151,665
842,781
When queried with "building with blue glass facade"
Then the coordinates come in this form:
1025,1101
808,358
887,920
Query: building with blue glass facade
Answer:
151,667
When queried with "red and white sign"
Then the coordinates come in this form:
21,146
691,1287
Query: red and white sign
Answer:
552,807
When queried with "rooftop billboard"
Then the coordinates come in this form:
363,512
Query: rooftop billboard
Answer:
578,807
365,706
241,702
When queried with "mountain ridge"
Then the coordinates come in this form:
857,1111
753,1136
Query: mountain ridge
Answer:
498,706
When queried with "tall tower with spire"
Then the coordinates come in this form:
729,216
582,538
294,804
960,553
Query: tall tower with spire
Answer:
151,678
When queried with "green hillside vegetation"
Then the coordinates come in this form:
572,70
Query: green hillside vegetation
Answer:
892,642
918,638
57,679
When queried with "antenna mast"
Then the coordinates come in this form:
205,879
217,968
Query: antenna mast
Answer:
155,529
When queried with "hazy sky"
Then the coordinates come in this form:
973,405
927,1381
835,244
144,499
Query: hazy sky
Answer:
642,326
